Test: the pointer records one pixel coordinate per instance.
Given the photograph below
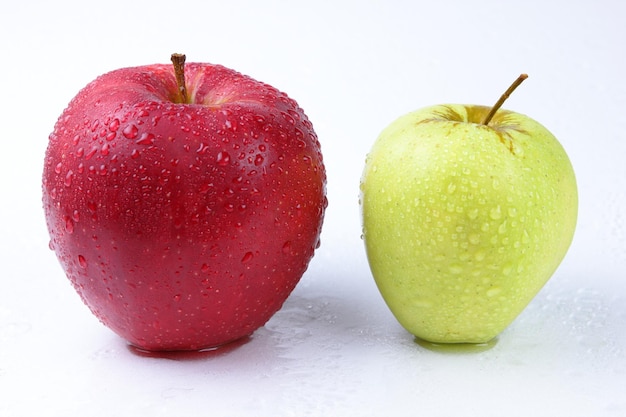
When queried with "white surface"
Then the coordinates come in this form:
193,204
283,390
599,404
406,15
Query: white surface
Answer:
334,349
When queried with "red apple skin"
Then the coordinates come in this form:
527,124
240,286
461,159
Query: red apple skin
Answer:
183,226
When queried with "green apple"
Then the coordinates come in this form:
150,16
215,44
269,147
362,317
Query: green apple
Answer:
467,212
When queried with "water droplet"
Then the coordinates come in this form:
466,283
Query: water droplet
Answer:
474,239
57,169
68,178
130,132
258,160
146,139
177,297
288,118
204,268
451,188
134,154
493,291
105,149
287,248
456,269
247,257
82,261
69,225
114,125
76,216
495,213
91,153
223,158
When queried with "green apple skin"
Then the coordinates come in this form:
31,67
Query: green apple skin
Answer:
464,223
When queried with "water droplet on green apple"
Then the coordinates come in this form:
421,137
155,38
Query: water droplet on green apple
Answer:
474,238
493,291
456,269
496,212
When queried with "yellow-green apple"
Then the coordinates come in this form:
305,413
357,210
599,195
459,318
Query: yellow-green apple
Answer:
467,211
184,202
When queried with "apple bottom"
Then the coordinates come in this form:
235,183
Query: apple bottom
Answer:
188,298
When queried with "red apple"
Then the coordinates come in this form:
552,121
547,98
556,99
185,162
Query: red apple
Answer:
183,212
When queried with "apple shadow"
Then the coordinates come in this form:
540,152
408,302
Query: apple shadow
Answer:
190,355
456,348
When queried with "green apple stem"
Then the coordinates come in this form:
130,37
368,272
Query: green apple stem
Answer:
503,98
179,71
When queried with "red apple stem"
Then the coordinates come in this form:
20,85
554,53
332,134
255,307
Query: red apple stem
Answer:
503,98
179,71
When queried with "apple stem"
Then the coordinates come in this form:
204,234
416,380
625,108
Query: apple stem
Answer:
503,98
179,71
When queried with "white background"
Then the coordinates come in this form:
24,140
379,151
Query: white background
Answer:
334,349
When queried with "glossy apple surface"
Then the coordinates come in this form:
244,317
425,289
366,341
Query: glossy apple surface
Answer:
464,222
183,225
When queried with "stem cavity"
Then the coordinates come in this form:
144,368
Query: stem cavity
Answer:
179,71
503,98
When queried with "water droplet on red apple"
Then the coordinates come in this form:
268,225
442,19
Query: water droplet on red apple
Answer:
204,268
288,118
258,160
114,125
177,297
247,257
134,154
91,153
146,139
130,131
69,225
68,178
82,261
57,168
223,158
105,149
287,248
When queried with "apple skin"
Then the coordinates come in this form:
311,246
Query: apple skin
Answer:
464,223
183,226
